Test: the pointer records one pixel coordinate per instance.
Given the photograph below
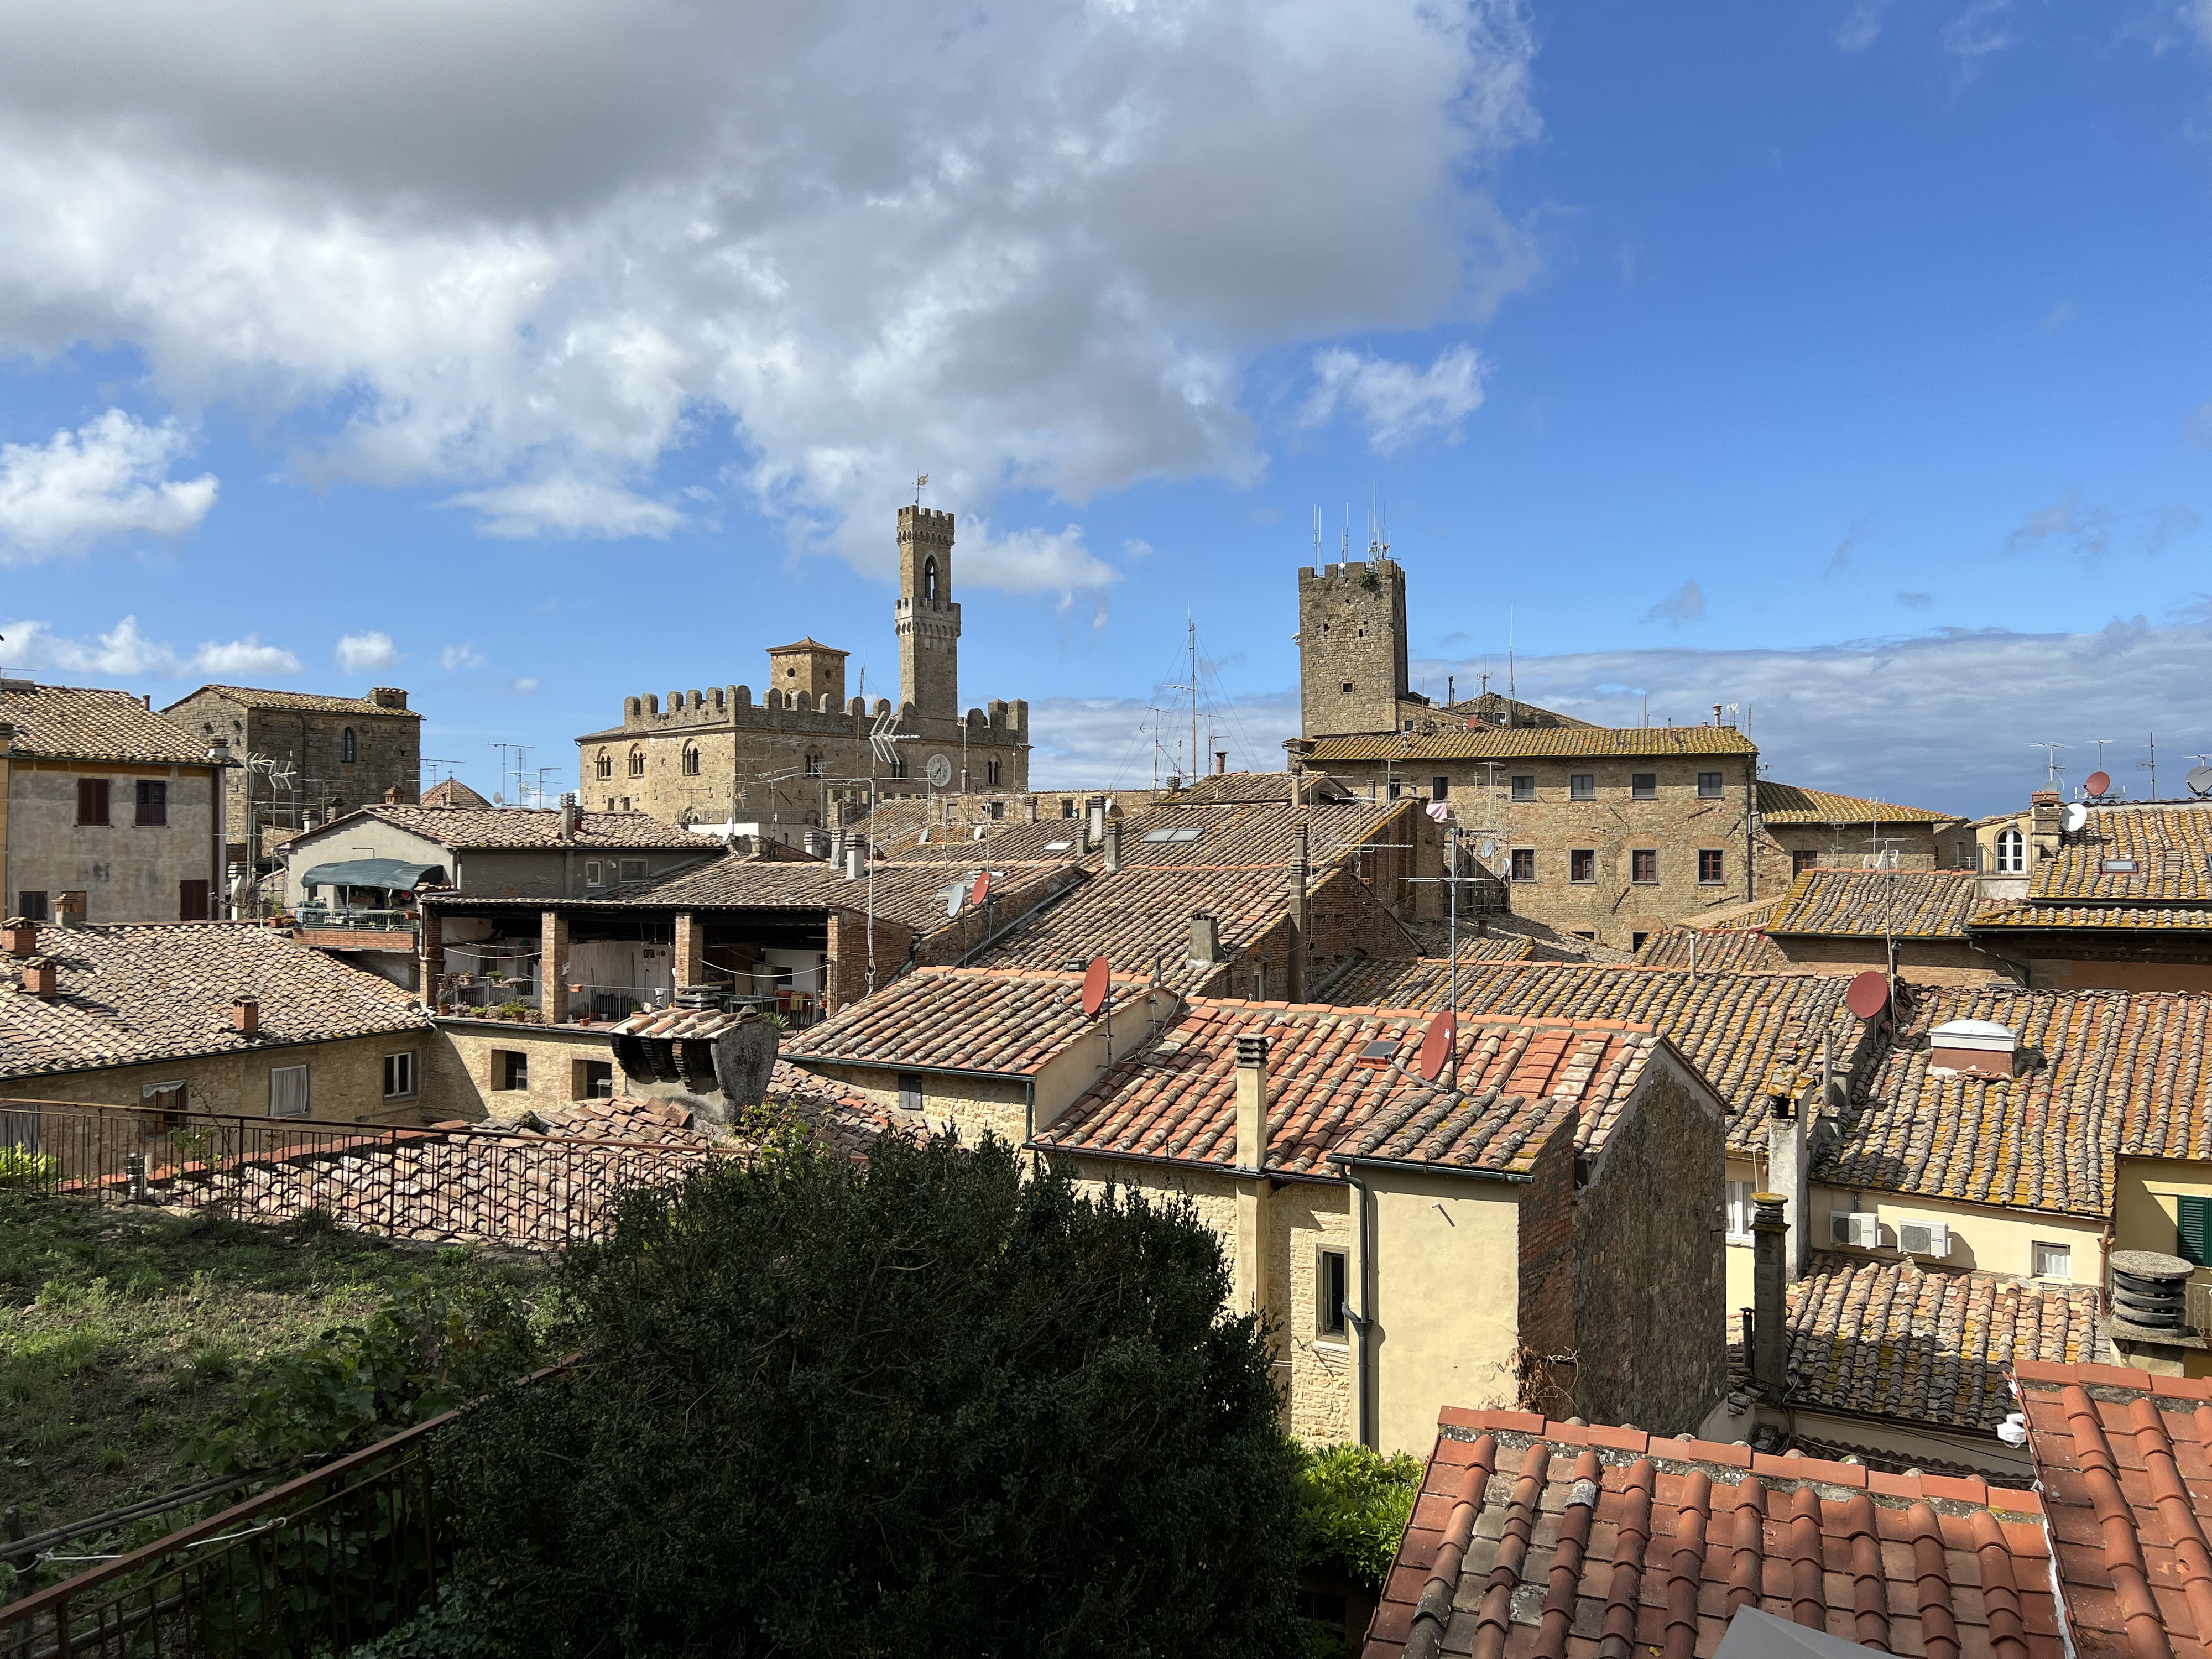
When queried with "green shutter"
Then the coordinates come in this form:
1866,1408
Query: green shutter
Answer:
2195,1219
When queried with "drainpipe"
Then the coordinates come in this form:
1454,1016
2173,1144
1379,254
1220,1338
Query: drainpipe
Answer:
1363,1323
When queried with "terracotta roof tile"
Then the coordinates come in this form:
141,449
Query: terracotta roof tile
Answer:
518,828
1717,950
1492,743
1176,1098
2175,920
1871,903
968,1019
1554,1540
2104,1071
1927,1345
1787,803
70,722
163,992
2122,1457
1736,1029
309,701
2169,848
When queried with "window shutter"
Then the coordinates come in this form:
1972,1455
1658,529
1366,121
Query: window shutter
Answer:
2194,1218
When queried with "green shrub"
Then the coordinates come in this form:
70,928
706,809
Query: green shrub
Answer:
24,1169
926,1405
1353,1504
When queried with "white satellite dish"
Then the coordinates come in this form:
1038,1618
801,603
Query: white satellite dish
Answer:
2200,781
956,901
2077,818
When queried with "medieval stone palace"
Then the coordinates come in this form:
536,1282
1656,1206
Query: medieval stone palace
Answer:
778,760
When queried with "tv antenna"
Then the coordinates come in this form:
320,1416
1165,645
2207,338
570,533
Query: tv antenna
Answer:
2053,750
2151,765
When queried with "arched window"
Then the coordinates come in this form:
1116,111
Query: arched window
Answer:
2012,853
690,760
814,766
346,745
637,762
604,767
898,763
929,581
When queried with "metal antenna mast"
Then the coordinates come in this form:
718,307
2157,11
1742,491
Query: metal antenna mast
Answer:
2152,763
2054,750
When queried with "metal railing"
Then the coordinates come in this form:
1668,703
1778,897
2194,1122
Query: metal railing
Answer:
338,918
332,1558
432,1185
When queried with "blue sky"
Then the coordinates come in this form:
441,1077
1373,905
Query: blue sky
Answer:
1848,363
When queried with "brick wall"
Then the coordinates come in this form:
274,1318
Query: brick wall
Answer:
1001,909
1345,921
1650,1273
849,937
388,752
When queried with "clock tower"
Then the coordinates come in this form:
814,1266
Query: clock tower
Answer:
928,620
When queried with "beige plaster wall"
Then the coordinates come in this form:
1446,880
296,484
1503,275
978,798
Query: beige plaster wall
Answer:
1982,1237
345,1080
1447,1288
127,871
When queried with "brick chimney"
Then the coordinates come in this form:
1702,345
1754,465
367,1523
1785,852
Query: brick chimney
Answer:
1113,844
388,696
391,795
68,909
1221,763
20,938
246,1015
1788,1170
1251,1103
1769,1296
572,817
39,977
1295,970
1204,940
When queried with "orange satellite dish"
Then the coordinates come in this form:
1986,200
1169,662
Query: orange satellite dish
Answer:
1437,1046
1868,995
1094,987
982,889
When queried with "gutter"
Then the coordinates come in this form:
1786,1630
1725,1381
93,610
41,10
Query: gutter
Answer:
1431,1169
1362,1323
1226,1171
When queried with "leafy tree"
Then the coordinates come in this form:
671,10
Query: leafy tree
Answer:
1353,1504
924,1407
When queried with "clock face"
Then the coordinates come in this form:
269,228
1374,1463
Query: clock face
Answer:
940,771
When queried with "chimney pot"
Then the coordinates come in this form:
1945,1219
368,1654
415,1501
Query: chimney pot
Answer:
854,851
1251,1149
1113,845
20,937
39,978
1204,940
246,1015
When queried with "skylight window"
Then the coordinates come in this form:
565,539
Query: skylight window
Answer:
1058,846
1185,832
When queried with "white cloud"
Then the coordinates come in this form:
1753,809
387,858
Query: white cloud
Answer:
1860,30
1134,548
125,652
1397,402
365,654
1686,603
2087,529
1035,562
1984,29
567,506
107,478
1106,743
463,656
1026,247
527,686
1945,719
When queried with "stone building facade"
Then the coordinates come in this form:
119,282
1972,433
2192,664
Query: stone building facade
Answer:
328,754
785,760
107,810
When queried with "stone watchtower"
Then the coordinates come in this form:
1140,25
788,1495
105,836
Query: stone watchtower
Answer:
1351,646
928,620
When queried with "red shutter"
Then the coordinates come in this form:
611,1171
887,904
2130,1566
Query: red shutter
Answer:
192,901
92,800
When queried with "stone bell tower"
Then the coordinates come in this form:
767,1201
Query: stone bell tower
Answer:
928,620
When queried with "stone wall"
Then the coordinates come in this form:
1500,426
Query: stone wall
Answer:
128,873
1306,1218
387,754
1549,1356
1847,845
345,1080
466,1074
1352,647
1649,1270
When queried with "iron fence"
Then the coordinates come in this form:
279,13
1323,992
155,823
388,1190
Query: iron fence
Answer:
314,1565
539,1192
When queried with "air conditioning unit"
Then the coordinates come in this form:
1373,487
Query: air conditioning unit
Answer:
1860,1229
1923,1238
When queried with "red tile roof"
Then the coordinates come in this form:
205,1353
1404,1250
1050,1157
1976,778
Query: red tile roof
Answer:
1717,950
316,702
965,1020
2175,921
1176,1098
1536,1538
70,722
2104,1071
1786,803
1493,743
1736,1029
1872,904
1925,1345
2124,1459
2170,848
518,828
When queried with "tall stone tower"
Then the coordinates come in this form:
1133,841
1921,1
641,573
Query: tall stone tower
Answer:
928,620
1351,646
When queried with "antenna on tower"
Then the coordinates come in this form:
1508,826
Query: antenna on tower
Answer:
1317,553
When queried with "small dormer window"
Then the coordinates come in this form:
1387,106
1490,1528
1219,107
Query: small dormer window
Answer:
2012,853
346,746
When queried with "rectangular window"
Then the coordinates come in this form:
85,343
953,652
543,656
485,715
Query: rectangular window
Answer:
32,906
288,1092
1736,1207
1712,865
910,1097
192,900
1643,786
510,1069
2055,1260
1524,864
599,1081
1643,865
2194,1217
1582,864
1068,808
633,869
92,800
1708,786
1439,788
1802,858
592,874
165,1099
1582,785
1524,786
1332,1288
399,1075
153,802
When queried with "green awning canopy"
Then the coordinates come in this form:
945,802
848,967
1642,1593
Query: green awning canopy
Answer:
392,874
